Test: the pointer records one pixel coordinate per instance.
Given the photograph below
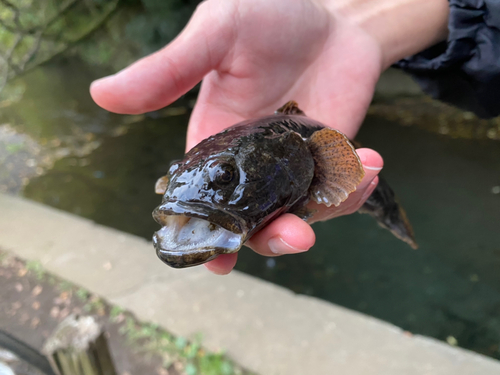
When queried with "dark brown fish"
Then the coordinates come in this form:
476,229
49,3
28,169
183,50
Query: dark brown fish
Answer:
234,183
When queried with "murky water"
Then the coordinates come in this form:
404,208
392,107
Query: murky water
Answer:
449,288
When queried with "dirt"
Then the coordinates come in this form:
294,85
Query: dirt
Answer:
32,304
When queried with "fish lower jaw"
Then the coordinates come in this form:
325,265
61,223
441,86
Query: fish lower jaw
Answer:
187,241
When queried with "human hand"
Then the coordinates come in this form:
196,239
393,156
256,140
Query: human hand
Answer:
253,56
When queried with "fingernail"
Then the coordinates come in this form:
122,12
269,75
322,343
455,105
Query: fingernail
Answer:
362,159
372,168
278,246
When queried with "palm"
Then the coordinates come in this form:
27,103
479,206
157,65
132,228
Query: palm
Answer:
328,66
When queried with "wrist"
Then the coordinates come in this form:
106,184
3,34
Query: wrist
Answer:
400,27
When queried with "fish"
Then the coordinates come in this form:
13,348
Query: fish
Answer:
234,183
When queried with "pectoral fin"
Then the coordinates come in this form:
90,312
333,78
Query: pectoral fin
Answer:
337,170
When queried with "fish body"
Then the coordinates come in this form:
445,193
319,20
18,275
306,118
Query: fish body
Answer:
234,183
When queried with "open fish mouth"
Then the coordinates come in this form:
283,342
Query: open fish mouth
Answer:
188,240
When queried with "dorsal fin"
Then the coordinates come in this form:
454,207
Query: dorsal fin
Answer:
337,168
290,108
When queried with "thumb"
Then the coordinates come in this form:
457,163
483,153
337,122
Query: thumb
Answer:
161,78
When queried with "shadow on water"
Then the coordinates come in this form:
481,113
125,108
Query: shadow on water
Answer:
448,289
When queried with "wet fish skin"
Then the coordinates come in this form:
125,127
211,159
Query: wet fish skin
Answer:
273,169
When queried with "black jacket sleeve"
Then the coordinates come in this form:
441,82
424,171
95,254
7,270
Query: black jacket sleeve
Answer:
464,70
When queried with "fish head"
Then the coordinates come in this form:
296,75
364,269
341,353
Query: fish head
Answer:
195,215
216,198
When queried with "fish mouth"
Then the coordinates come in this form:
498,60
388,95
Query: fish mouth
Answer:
194,234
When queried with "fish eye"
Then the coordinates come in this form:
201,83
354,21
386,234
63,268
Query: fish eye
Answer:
224,174
221,173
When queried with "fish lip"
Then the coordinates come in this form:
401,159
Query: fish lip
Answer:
177,259
183,258
199,210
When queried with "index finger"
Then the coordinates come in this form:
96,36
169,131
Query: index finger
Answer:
162,77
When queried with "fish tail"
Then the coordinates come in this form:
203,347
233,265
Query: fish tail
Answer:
384,207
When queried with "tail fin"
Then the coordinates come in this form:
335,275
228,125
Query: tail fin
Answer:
383,206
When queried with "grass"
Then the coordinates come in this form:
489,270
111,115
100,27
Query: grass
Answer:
36,269
196,361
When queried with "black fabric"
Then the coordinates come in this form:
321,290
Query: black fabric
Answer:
465,70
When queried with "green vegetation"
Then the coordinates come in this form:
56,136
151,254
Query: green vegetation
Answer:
36,269
82,294
34,31
150,338
14,148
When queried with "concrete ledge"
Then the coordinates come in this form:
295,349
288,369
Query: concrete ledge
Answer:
263,327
